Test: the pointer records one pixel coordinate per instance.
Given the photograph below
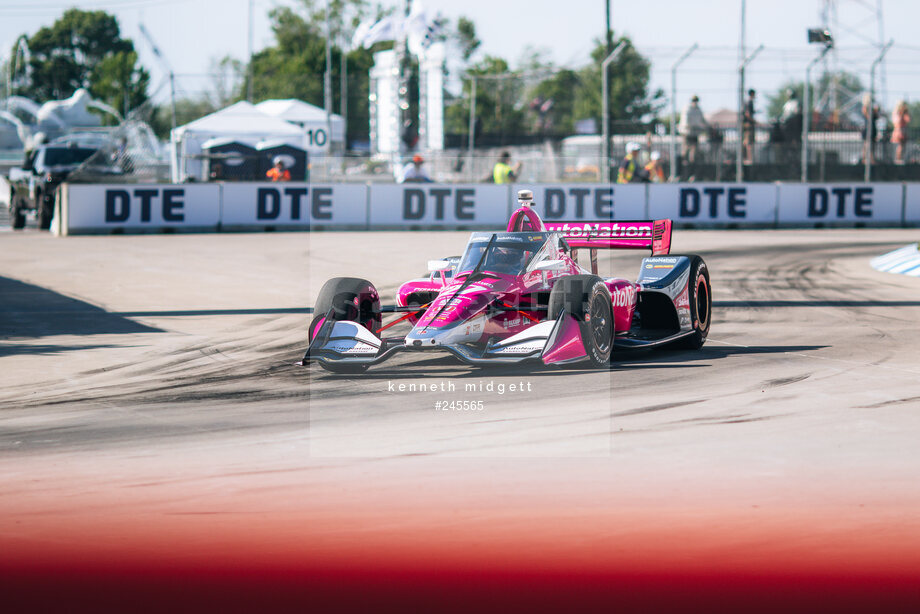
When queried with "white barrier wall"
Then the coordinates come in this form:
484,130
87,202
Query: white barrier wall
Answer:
713,203
289,204
912,204
238,206
96,207
438,205
840,203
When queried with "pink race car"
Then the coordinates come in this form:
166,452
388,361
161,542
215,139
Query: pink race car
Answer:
520,295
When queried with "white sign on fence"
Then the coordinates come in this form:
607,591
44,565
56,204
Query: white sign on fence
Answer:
912,204
586,201
293,204
139,206
840,203
713,203
439,205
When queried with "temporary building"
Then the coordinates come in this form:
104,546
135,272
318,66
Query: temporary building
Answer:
312,120
241,122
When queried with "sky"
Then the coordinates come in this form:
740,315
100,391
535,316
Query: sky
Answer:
193,33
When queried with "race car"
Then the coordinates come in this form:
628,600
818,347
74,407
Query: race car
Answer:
520,295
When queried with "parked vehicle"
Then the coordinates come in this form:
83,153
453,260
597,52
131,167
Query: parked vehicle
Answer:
34,186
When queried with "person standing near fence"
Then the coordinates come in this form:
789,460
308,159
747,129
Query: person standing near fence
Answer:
504,171
413,172
900,119
747,128
870,114
631,169
692,125
653,168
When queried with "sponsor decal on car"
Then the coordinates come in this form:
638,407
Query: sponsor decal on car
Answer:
623,297
605,230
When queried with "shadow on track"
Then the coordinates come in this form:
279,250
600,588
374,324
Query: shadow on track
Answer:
27,310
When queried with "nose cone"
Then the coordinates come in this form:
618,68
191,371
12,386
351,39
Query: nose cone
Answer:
472,300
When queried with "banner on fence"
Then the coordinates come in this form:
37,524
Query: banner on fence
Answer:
293,205
95,207
584,202
840,203
433,205
716,203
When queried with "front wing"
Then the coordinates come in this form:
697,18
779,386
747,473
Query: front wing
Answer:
349,343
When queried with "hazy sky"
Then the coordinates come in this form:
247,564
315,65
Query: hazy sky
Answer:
191,33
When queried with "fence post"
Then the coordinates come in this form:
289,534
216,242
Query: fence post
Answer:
673,148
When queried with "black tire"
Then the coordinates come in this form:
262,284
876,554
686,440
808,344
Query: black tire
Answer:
587,299
349,298
17,214
700,296
45,212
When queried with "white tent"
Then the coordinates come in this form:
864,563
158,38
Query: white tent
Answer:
241,122
311,118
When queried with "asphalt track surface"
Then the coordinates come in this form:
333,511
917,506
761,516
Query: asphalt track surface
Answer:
159,449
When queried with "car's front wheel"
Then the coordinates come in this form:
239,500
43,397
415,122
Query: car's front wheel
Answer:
587,299
346,298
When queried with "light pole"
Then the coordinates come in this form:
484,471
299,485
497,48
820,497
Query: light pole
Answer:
806,99
605,96
739,160
870,120
472,122
327,80
673,147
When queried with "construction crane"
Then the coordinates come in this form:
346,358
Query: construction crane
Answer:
167,68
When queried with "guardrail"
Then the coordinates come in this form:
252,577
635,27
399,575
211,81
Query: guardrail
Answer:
124,208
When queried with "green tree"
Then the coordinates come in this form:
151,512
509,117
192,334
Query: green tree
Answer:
294,66
84,49
849,97
499,101
629,96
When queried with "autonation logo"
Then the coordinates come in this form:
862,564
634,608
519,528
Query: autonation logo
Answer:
597,230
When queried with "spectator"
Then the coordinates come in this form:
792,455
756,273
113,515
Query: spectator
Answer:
791,120
631,171
504,171
653,168
413,172
870,114
900,118
748,126
278,172
692,125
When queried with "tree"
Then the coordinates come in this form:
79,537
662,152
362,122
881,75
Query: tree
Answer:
465,37
84,49
499,101
294,66
629,97
849,103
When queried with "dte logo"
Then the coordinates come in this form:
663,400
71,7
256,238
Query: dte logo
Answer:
119,203
556,203
819,201
734,202
270,202
415,202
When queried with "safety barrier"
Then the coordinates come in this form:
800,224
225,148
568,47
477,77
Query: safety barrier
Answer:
99,208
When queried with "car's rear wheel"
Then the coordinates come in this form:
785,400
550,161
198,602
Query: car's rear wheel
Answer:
587,299
17,214
346,298
699,294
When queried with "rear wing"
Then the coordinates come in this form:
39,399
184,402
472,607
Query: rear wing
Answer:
650,234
